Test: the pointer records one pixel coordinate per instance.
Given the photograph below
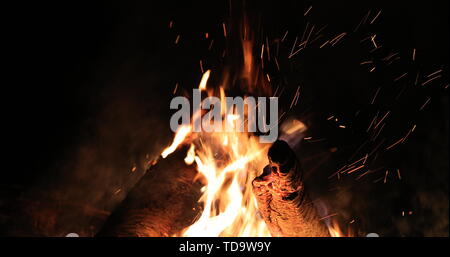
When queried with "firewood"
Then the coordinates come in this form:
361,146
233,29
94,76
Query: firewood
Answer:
282,198
163,202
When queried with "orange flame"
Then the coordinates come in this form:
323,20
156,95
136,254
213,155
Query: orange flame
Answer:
228,162
181,134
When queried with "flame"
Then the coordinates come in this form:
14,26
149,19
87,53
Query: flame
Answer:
228,162
335,230
229,206
204,80
181,134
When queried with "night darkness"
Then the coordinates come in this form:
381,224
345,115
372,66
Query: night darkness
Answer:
89,84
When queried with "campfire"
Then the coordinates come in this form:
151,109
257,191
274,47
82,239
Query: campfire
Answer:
248,188
228,119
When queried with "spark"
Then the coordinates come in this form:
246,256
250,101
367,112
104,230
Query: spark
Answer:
262,51
372,38
423,106
296,96
364,39
375,96
385,176
317,140
276,62
395,59
400,93
401,76
390,56
409,132
175,89
326,42
309,35
363,174
366,62
328,216
296,52
293,46
373,50
363,21
373,120
428,81
417,79
304,31
284,37
384,117
365,158
201,66
321,29
367,16
379,132
307,11
353,164
376,148
337,38
376,16
434,73
334,174
355,169
394,144
224,29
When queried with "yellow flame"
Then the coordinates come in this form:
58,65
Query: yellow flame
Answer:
229,205
190,157
228,161
204,80
181,134
335,230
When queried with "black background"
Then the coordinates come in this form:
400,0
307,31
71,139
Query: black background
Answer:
98,76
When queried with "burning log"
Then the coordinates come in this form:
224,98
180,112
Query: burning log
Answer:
161,204
282,198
